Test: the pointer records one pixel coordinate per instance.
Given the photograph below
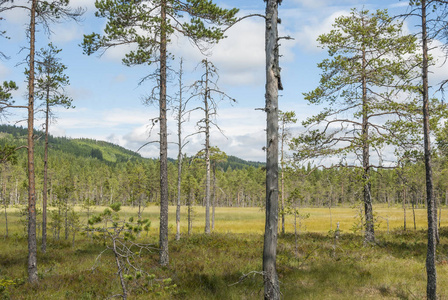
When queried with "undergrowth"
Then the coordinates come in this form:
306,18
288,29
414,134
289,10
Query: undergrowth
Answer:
228,266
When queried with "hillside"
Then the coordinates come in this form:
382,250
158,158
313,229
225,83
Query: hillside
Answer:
89,148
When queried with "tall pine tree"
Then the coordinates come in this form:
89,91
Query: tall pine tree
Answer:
148,24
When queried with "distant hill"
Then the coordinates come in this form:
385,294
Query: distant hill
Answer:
101,150
234,162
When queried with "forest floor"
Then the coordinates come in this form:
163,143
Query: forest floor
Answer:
227,264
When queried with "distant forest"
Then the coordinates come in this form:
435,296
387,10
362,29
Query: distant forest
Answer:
105,173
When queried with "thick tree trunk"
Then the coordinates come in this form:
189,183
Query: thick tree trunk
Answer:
163,237
431,273
32,242
270,277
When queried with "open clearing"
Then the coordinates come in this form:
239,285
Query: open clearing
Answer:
224,265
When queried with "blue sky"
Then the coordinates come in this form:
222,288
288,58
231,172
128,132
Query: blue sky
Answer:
108,98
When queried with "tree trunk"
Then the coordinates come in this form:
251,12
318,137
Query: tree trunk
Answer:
404,208
120,270
45,188
190,221
283,178
179,154
207,152
32,242
413,212
214,196
370,232
270,277
296,248
5,203
66,219
163,238
431,273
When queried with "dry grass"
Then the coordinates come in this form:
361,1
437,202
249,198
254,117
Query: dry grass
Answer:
206,267
251,219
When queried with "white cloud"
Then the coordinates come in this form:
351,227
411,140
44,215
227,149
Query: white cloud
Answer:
320,4
88,4
55,130
307,35
439,70
66,32
79,93
313,3
399,4
239,58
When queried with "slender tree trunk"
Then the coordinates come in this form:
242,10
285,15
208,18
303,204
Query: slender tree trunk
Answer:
179,154
120,271
207,152
446,197
413,212
139,208
163,241
370,232
271,284
4,200
59,219
436,228
295,235
214,196
45,188
6,222
32,241
189,213
283,178
404,208
431,273
66,219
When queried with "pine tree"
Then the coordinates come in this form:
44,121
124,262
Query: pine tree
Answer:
145,23
367,77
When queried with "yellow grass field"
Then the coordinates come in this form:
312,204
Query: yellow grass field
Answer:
251,219
208,266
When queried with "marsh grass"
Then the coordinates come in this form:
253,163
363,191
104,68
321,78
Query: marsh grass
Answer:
212,266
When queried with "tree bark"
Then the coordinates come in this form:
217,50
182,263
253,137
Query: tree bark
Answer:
179,154
45,188
270,277
4,199
163,237
370,232
431,273
283,178
214,196
207,152
32,242
404,208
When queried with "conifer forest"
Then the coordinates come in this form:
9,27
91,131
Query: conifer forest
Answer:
223,149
